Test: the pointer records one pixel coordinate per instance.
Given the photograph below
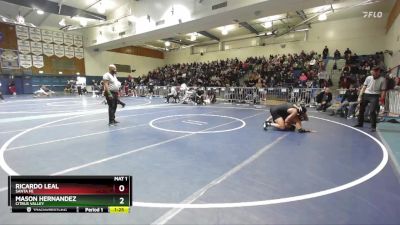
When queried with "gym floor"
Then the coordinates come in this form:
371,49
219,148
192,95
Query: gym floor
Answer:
201,164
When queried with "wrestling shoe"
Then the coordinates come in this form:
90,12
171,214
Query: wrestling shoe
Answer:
266,125
292,128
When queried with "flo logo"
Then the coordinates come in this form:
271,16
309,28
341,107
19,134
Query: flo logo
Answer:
373,14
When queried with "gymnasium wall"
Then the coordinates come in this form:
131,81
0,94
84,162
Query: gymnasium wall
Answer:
52,64
96,63
393,43
362,36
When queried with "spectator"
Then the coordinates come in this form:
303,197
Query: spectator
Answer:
323,78
325,52
1,94
12,88
324,99
336,55
397,82
68,88
151,89
348,104
344,83
347,54
79,87
96,89
172,94
273,70
303,79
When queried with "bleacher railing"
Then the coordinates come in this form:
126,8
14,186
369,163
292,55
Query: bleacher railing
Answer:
393,98
249,94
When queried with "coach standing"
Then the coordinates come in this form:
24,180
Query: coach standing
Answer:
372,92
111,88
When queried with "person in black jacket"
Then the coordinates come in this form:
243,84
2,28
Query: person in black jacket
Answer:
325,52
324,99
348,104
337,55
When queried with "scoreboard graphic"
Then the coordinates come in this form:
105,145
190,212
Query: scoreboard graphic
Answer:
70,194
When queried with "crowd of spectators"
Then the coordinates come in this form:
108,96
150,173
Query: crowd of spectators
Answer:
216,73
275,70
289,70
357,68
298,70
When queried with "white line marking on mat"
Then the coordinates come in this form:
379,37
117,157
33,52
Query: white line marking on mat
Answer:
10,171
79,136
7,168
136,150
74,137
207,131
73,113
193,123
89,121
3,148
173,212
351,184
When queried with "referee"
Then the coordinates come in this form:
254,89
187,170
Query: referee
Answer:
111,88
372,92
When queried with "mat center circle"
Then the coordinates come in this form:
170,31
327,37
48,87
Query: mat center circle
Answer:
197,123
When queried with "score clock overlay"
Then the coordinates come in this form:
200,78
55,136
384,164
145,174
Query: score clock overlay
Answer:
70,194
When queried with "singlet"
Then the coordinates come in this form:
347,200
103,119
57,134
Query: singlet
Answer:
280,111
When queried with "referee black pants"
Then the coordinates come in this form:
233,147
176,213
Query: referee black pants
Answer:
112,106
373,101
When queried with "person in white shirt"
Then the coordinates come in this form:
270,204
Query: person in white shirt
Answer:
172,94
373,93
111,88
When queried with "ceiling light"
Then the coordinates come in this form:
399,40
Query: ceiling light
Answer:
224,31
101,9
305,29
193,36
60,72
20,19
78,73
40,71
267,24
322,17
39,11
83,22
167,43
62,22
